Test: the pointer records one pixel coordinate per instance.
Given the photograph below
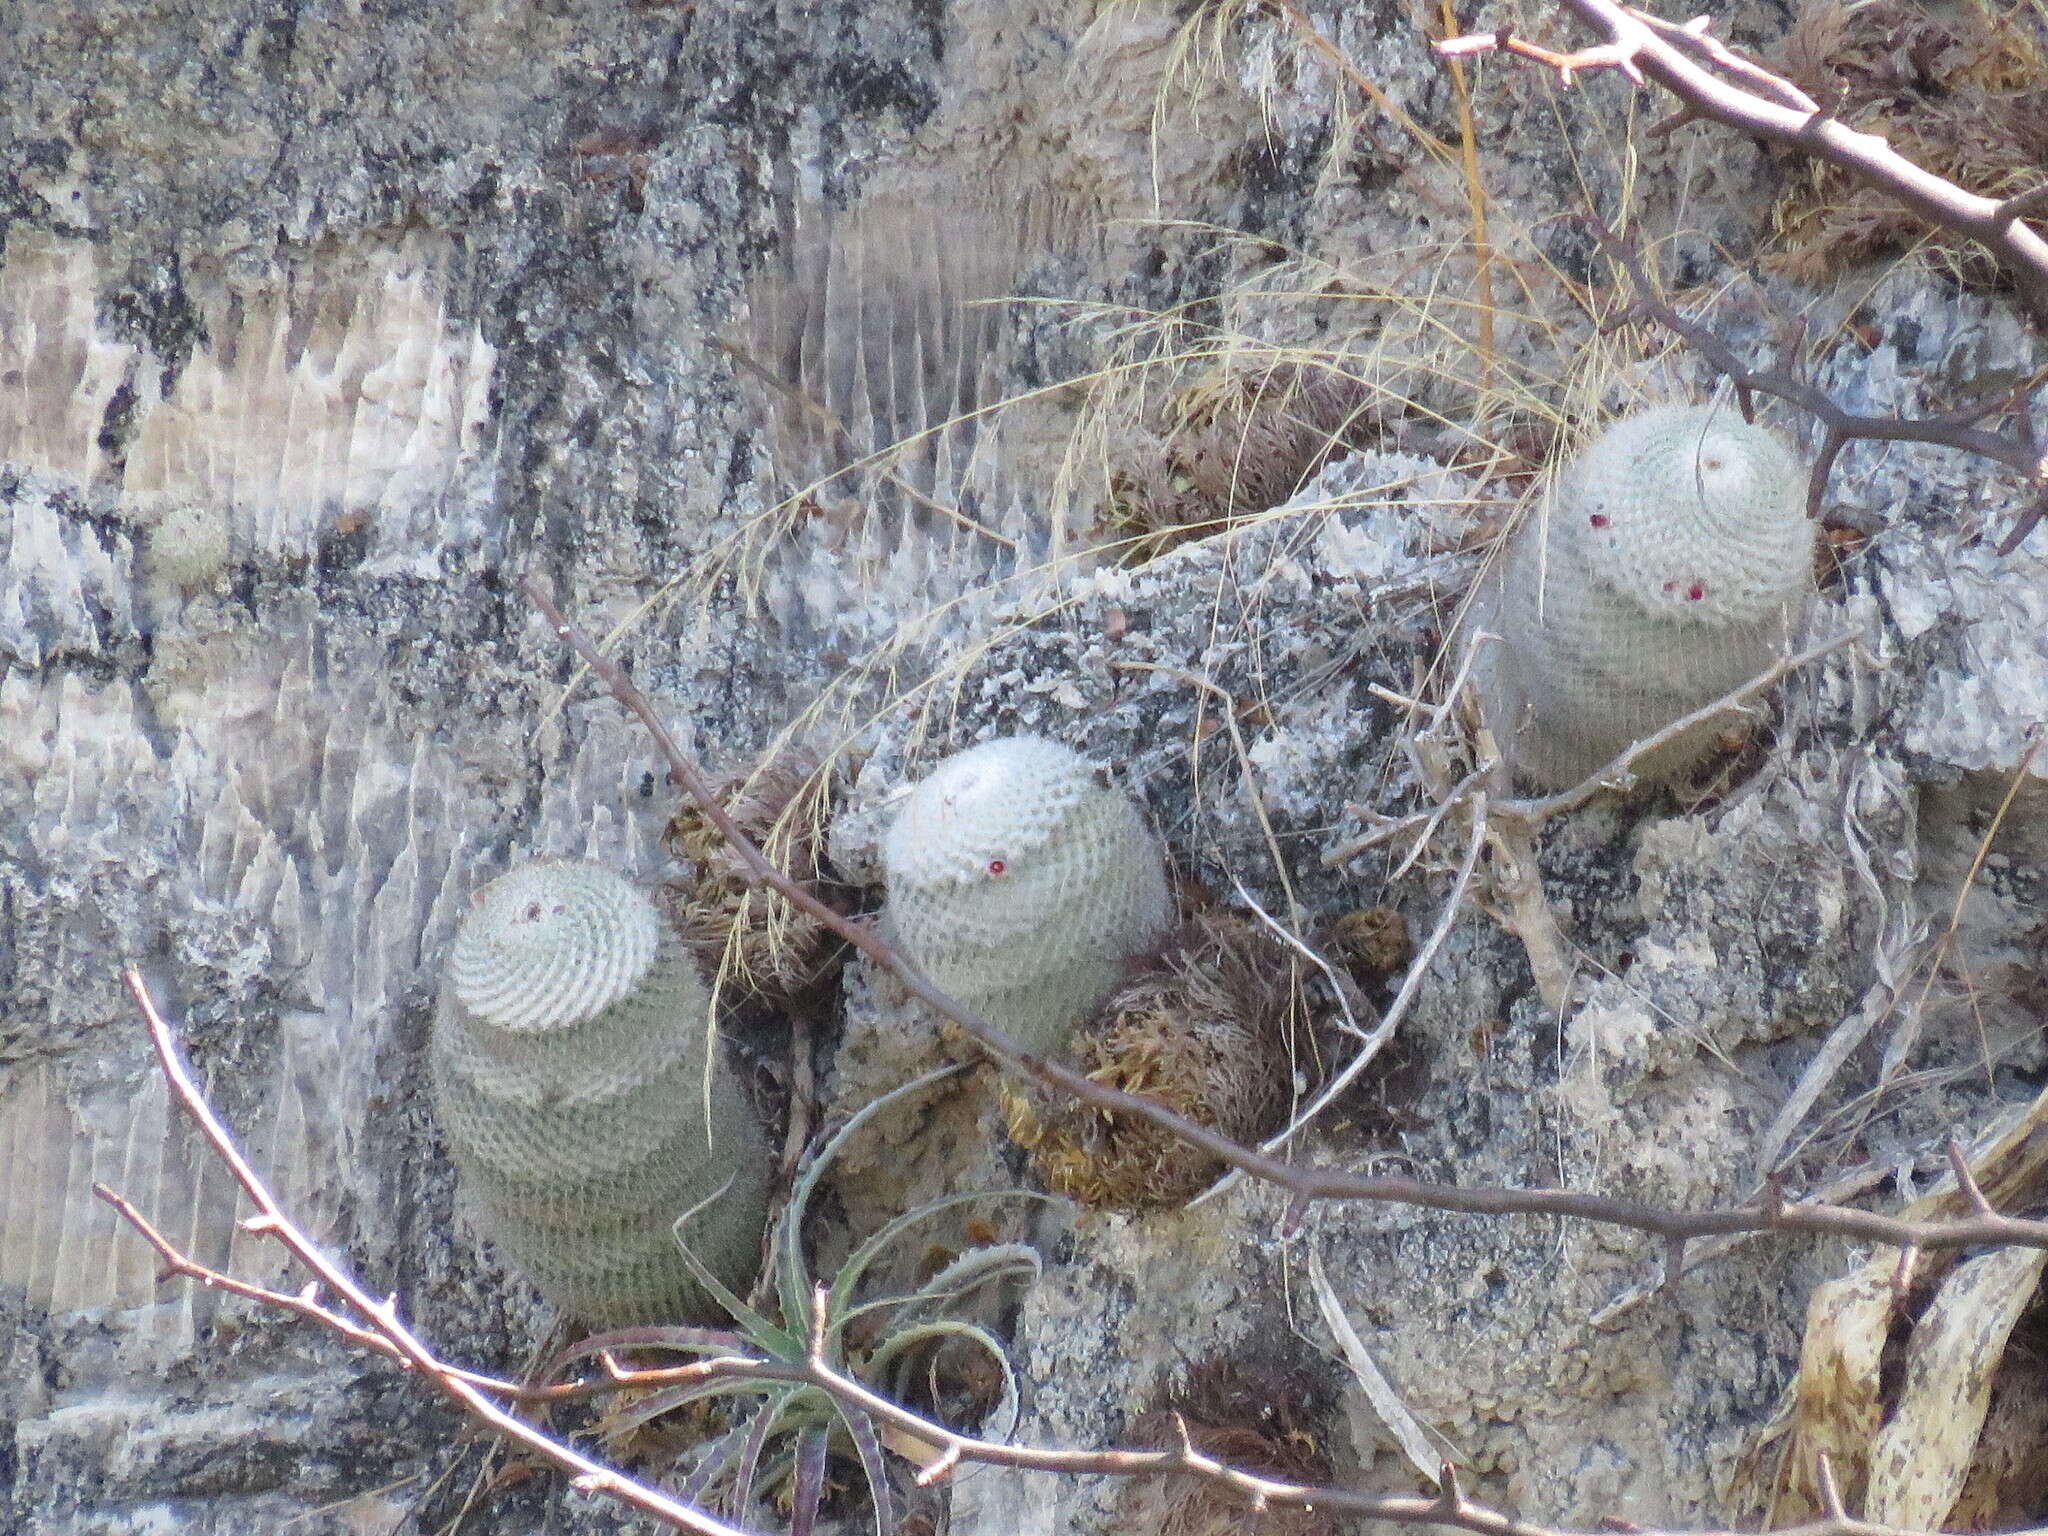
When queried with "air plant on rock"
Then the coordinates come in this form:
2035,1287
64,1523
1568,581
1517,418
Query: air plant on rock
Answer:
780,1434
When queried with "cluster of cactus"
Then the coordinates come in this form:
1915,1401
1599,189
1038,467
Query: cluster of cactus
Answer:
1019,881
1667,569
574,1065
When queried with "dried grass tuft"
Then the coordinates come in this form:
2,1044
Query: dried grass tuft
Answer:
1234,442
749,937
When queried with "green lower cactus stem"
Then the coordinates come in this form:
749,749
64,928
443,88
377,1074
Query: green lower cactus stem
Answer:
569,1058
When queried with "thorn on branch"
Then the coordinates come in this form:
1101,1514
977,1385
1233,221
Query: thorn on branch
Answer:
1774,1196
1902,1274
1966,1181
1720,85
2031,204
1674,1263
1954,429
940,1468
1450,1498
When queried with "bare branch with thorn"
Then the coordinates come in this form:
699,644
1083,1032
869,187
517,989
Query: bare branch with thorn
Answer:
2021,452
1447,1508
1714,83
474,1393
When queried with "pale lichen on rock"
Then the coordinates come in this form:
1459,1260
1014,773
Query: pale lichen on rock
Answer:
189,545
1667,569
570,1059
1018,881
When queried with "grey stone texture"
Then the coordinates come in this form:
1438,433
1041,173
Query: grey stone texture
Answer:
322,323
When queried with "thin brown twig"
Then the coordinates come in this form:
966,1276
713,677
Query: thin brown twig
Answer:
1955,429
1620,773
404,1346
303,1304
1447,1507
1372,1044
1305,1182
1683,59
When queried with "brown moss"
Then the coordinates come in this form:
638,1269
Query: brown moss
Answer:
1202,1024
1260,1422
1235,441
1372,943
1962,91
751,938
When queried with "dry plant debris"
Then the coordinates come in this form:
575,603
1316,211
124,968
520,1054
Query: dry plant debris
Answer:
1262,1421
1962,90
1234,442
1921,1376
1200,1024
1373,943
745,934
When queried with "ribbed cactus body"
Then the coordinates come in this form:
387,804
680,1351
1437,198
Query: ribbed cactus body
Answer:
1019,883
569,1055
1668,568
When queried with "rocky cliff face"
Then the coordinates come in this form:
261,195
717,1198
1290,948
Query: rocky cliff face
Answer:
320,324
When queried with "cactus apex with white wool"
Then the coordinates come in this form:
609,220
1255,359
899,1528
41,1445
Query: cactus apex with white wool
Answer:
1669,566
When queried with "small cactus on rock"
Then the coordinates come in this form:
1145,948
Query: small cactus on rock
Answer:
1671,563
569,1058
1018,882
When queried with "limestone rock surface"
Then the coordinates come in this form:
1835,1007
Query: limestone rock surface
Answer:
322,324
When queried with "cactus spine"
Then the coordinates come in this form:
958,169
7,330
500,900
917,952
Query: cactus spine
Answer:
1019,883
569,1055
1673,559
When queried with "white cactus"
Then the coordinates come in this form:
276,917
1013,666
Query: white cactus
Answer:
569,1056
1669,567
1018,883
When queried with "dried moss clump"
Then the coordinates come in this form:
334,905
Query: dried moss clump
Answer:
1202,1025
1962,92
1264,1422
1234,442
1373,942
750,937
